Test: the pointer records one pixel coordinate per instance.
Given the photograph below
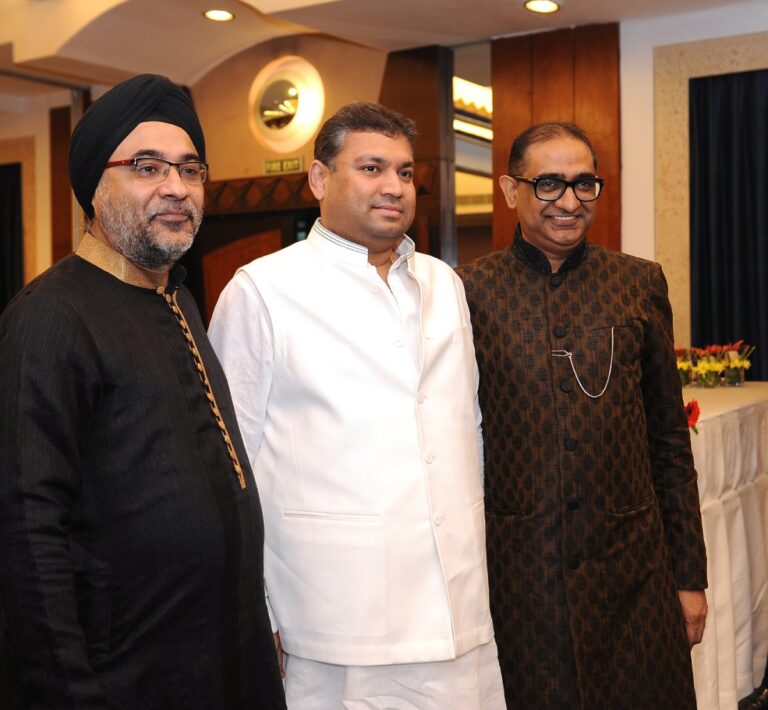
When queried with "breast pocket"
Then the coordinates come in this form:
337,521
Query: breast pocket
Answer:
612,354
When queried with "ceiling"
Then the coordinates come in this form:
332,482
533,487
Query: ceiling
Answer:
88,42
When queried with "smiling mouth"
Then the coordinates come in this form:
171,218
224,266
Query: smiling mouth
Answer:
564,219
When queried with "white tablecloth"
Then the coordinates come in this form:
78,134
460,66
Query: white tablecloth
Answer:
731,456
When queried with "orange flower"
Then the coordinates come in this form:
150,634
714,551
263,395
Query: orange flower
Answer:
692,411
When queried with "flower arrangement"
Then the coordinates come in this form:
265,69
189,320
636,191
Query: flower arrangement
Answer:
684,366
708,369
737,356
692,412
710,365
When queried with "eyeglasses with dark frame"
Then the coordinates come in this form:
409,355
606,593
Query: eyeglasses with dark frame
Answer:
155,170
551,189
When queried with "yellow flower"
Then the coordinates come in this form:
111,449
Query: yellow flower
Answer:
739,364
703,366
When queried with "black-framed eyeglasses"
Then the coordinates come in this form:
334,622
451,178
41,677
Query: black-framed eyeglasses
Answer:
155,170
551,189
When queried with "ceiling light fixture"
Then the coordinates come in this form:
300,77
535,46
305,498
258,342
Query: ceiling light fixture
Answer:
219,15
544,7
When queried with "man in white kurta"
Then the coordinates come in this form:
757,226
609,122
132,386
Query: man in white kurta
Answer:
352,369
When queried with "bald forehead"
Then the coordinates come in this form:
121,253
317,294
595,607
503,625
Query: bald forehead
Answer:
551,156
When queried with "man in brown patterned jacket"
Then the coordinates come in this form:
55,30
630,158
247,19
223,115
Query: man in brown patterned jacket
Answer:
595,550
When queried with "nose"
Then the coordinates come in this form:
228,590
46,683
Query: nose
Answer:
391,183
172,185
568,200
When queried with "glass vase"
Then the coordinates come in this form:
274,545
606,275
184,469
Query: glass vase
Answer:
710,378
733,377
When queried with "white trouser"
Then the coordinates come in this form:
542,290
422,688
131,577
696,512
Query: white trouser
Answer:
471,682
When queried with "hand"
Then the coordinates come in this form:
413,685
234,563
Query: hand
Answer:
279,650
694,607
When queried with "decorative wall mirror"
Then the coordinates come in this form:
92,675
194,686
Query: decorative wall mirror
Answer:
285,104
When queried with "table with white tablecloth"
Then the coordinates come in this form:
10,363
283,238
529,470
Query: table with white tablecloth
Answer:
731,456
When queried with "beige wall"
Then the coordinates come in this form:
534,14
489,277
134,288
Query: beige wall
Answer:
349,73
674,66
658,55
638,40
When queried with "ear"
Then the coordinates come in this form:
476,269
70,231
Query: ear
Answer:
508,186
317,176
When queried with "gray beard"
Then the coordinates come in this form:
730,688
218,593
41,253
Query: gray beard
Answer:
134,235
143,248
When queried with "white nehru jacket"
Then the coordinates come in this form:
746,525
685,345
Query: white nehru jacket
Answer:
358,406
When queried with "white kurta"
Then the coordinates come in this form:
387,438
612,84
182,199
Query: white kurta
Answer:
358,407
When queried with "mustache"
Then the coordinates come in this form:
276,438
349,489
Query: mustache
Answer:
187,209
389,203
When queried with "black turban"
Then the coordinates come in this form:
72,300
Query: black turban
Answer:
104,126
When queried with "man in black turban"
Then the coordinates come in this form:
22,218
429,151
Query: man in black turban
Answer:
131,532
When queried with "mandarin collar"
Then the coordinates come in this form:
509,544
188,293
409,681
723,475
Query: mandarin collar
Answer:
104,257
323,239
534,258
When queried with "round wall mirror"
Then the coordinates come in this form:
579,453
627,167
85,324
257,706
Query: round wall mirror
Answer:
285,104
278,104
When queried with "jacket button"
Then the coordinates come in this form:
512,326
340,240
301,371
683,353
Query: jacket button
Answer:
566,386
560,331
437,519
573,504
571,444
420,397
429,458
556,280
574,562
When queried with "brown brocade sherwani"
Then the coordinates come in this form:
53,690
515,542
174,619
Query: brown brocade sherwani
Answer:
592,507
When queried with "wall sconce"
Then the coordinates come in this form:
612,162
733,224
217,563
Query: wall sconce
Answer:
285,104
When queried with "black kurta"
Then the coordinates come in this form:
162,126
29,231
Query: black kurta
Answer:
591,503
130,556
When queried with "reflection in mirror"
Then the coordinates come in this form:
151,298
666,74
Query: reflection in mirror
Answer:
473,133
278,104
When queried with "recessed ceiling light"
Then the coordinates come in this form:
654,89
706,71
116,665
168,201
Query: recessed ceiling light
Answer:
542,6
219,15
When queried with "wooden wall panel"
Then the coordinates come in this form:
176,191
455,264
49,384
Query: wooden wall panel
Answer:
596,61
552,73
419,84
219,266
512,110
565,75
61,196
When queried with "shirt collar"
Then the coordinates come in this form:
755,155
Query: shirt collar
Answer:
533,257
331,243
104,257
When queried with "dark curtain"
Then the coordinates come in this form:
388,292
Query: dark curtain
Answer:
729,212
11,270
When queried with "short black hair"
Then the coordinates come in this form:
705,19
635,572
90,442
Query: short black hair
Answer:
360,117
541,132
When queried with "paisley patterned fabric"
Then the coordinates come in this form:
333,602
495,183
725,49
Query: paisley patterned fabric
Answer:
592,506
